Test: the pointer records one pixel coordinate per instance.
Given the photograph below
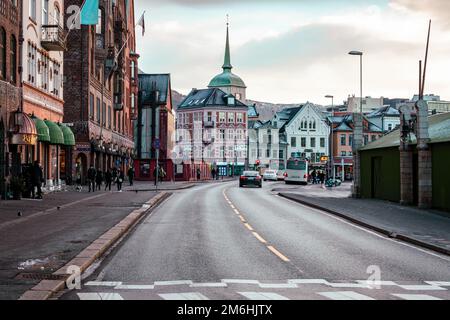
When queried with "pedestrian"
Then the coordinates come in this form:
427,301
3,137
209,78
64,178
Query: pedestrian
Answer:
131,175
322,178
114,175
213,173
99,180
92,175
36,180
120,178
108,180
162,174
314,176
199,174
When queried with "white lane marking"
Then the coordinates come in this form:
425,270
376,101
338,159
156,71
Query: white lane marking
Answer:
237,212
348,285
135,287
103,283
173,283
183,296
99,296
422,288
262,296
417,297
278,285
367,230
345,295
438,283
374,283
209,285
240,281
249,227
308,281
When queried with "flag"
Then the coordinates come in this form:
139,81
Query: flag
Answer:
89,12
142,23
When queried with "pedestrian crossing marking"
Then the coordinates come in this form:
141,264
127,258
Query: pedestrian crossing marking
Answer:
99,296
262,296
345,295
134,287
209,285
417,297
422,288
173,283
183,296
103,283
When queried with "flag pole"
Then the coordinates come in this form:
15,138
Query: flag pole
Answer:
128,38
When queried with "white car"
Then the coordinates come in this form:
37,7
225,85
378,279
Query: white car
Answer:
270,175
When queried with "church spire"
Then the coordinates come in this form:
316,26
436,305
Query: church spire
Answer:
227,61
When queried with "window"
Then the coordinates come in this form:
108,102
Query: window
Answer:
374,137
281,154
32,64
56,79
209,117
294,142
343,140
230,134
33,9
366,139
104,114
133,103
390,127
343,154
45,12
322,142
239,118
350,140
57,15
98,111
268,153
133,70
91,107
99,29
303,141
222,117
313,142
2,53
274,154
222,134
230,117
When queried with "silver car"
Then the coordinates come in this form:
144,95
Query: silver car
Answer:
270,175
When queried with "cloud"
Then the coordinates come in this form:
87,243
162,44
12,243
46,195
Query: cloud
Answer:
436,9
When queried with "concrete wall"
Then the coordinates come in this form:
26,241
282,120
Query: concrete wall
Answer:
441,176
389,183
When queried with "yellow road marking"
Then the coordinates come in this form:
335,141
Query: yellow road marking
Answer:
278,254
249,227
261,239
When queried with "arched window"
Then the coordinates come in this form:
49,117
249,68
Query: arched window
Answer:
45,12
2,53
13,59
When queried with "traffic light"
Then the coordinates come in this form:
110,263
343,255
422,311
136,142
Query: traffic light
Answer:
258,162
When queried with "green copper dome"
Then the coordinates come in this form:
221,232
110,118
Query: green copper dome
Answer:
227,78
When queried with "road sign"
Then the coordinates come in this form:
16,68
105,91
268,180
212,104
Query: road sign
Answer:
157,144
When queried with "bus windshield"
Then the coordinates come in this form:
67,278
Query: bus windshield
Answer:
296,165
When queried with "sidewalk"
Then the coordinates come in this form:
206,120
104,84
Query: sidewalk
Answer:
429,229
52,232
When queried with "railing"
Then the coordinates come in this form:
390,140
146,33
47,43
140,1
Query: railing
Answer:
53,38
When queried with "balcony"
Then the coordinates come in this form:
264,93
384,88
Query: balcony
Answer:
209,124
53,38
101,52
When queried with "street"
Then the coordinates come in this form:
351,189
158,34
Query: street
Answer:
216,241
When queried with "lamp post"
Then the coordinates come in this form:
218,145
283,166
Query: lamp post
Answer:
358,133
332,137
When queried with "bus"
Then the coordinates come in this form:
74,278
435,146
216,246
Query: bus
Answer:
297,171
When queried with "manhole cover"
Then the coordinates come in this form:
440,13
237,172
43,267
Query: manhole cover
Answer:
39,276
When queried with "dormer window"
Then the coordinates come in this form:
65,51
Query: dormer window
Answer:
231,101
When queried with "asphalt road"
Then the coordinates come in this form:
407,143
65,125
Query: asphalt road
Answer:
223,242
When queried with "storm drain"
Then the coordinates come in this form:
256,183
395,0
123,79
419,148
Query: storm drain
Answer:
39,276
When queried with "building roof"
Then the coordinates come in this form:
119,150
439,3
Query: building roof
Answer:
212,97
439,131
227,78
252,112
151,82
386,111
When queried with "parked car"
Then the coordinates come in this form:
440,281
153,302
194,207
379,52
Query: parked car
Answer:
250,178
281,175
270,175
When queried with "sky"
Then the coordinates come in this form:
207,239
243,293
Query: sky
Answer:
293,51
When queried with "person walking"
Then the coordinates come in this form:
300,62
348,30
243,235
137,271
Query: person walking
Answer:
99,180
92,175
131,175
213,173
162,174
199,174
36,180
314,177
114,175
120,178
108,180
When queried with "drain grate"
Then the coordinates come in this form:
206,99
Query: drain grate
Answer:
39,276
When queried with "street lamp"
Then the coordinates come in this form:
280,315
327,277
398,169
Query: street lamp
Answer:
332,136
358,133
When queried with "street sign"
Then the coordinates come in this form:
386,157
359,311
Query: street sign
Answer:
157,144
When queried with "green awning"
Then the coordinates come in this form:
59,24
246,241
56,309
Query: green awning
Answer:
42,129
69,137
56,134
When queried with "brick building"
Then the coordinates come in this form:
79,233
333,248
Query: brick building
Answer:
101,87
10,93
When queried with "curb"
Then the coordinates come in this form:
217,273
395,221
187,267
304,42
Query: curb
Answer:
390,234
189,186
47,288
